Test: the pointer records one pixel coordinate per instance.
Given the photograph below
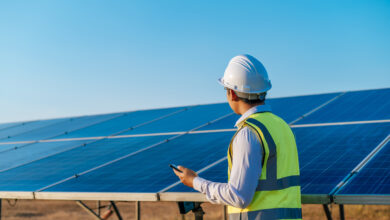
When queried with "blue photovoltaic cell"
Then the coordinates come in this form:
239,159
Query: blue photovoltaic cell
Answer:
30,152
26,127
44,172
186,120
354,106
374,178
149,170
328,154
217,173
117,124
62,127
289,109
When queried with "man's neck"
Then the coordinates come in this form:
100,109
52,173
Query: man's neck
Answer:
244,107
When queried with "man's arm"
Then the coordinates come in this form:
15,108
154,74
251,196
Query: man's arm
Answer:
245,173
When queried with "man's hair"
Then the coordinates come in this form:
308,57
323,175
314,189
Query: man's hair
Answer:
253,102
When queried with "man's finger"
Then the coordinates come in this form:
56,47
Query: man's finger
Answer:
177,173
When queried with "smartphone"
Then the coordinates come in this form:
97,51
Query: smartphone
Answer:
175,167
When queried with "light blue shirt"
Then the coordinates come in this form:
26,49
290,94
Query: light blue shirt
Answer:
246,169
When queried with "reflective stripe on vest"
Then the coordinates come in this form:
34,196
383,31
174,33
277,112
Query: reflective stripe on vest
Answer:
272,183
277,213
275,198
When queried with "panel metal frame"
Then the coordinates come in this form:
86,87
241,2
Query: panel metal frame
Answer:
362,199
96,196
16,195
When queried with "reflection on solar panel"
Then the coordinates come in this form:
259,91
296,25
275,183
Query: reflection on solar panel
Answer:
125,156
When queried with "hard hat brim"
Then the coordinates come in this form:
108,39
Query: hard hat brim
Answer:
221,81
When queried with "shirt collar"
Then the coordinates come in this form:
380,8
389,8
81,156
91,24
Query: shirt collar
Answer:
254,109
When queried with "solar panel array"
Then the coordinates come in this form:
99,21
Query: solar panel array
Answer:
125,156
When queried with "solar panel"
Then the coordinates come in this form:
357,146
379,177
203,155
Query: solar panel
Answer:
354,106
289,109
7,125
26,127
373,180
121,123
186,120
137,160
327,154
22,153
62,127
149,170
41,173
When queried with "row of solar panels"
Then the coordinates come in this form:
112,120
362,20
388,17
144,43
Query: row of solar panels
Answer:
78,155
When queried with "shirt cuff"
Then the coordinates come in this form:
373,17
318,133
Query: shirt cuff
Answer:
197,183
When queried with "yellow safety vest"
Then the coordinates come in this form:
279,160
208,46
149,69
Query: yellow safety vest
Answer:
278,193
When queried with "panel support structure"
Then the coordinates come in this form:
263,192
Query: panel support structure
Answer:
342,215
198,211
118,214
137,210
90,211
327,212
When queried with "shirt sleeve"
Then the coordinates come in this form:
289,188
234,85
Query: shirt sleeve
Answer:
244,176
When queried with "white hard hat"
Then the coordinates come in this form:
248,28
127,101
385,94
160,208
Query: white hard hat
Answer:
245,74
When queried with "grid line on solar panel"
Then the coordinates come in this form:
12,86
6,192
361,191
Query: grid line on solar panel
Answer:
354,106
129,155
70,147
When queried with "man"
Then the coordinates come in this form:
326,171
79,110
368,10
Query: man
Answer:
263,160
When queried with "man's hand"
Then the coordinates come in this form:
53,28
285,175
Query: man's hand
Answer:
187,176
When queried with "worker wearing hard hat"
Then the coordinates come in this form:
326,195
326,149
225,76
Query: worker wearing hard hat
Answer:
262,156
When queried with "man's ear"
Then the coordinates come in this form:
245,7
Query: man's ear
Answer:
234,95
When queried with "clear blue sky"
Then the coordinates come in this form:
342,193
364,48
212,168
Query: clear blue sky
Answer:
66,58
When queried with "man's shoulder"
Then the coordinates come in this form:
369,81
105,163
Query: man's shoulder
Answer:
247,134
